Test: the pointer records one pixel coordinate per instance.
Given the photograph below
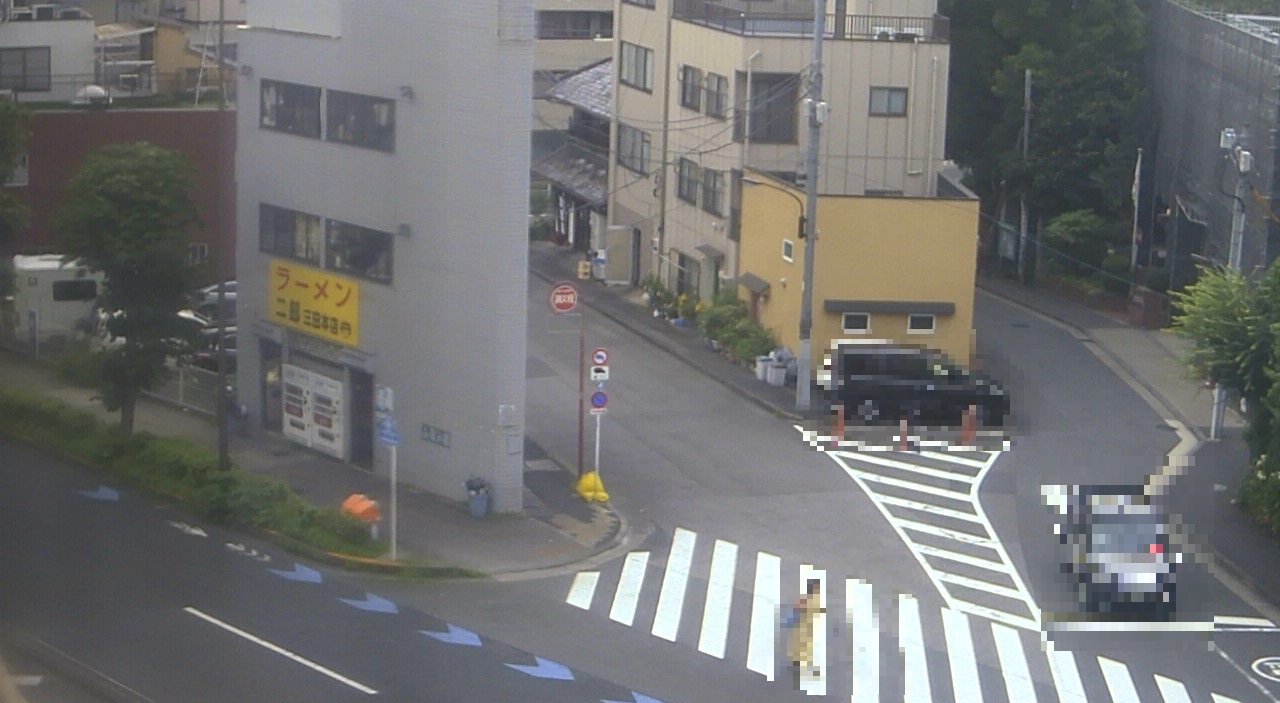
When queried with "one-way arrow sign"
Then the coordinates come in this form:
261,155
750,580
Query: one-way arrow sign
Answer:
305,574
545,669
372,603
103,493
455,635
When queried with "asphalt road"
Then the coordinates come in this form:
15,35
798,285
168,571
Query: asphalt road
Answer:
179,611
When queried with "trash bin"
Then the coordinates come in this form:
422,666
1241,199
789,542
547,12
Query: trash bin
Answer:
777,374
762,367
478,497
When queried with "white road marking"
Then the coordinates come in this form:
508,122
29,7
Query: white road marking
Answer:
915,669
715,612
963,460
281,651
628,593
964,665
864,640
764,614
1172,691
1118,681
908,467
1066,677
1233,620
929,508
666,621
918,487
28,681
1218,698
980,585
1013,663
966,537
962,558
583,590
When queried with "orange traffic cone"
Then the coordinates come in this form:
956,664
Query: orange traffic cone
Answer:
968,427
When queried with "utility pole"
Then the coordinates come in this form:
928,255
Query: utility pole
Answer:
817,114
224,396
662,161
1243,160
1026,144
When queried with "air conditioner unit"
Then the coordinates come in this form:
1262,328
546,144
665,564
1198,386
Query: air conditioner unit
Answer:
21,15
70,13
45,12
883,32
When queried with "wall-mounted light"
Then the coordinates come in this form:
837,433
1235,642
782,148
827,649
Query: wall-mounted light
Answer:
403,230
246,70
406,92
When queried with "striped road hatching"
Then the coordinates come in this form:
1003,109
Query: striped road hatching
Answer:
718,602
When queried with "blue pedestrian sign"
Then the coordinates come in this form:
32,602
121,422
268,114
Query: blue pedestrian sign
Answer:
599,399
387,433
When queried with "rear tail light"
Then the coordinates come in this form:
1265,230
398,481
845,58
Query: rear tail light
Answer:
1155,548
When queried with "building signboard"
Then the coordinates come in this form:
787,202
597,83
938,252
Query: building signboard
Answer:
317,302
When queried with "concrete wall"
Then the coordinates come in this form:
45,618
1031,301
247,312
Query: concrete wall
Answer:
869,249
71,59
448,334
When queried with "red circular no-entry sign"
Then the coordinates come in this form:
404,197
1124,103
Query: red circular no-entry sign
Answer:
564,298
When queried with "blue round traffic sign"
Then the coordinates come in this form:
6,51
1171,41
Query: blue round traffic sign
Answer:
599,399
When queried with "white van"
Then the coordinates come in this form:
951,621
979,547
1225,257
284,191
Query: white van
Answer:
52,298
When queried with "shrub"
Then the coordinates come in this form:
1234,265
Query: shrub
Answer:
725,311
749,340
687,307
1115,274
1156,278
1259,495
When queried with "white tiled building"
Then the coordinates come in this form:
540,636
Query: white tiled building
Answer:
382,191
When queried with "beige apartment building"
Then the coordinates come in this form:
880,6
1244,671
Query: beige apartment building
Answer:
571,34
704,89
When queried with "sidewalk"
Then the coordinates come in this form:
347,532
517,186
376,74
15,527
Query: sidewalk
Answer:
557,529
1152,358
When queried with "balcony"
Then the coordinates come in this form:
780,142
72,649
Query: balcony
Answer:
731,17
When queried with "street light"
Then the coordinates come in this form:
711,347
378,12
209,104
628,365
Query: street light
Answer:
800,218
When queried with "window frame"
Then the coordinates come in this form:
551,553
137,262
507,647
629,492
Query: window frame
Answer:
774,95
197,253
635,66
691,86
81,289
270,115
24,80
573,24
647,4
311,236
713,191
866,323
885,107
688,180
634,148
933,323
332,250
367,132
717,99
788,250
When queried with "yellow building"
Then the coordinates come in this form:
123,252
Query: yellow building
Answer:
896,268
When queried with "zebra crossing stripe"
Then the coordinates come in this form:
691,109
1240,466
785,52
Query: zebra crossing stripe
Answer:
957,476
918,487
815,684
964,665
715,614
911,639
1219,698
1118,681
1066,677
951,457
1172,691
628,593
864,641
1013,663
962,558
764,614
666,622
583,590
980,585
930,508
958,536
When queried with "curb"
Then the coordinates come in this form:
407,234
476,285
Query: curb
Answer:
662,344
92,680
600,552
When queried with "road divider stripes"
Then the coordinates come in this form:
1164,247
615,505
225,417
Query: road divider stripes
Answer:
864,641
964,664
1172,691
584,589
1013,663
1119,683
764,614
1066,677
915,667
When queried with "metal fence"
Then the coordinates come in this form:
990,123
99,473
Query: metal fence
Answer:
799,22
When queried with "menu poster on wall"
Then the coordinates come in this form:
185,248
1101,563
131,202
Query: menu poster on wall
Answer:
313,414
297,404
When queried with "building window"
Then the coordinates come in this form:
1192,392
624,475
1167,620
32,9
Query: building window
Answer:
79,289
633,148
855,322
360,120
883,193
636,69
641,3
197,253
920,324
713,183
774,115
717,95
291,108
691,87
290,233
358,250
574,24
687,181
888,102
26,69
21,174
788,250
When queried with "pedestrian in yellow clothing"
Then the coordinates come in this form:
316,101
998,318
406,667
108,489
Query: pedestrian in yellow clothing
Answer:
802,624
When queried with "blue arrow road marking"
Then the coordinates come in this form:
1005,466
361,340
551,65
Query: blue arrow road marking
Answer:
455,635
103,493
637,698
372,603
545,669
301,573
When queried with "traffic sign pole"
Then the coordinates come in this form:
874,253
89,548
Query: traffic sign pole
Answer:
394,482
582,385
597,464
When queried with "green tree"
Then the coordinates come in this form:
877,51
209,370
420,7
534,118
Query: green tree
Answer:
14,136
128,213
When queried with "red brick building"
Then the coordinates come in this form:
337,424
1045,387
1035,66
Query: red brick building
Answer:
60,139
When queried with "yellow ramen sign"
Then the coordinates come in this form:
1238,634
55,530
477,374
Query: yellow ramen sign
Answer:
316,302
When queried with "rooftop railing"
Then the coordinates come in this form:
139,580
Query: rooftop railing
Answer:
730,18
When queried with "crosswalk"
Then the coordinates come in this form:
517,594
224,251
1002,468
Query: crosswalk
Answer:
870,646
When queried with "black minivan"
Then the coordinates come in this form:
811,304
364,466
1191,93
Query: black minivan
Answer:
881,383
